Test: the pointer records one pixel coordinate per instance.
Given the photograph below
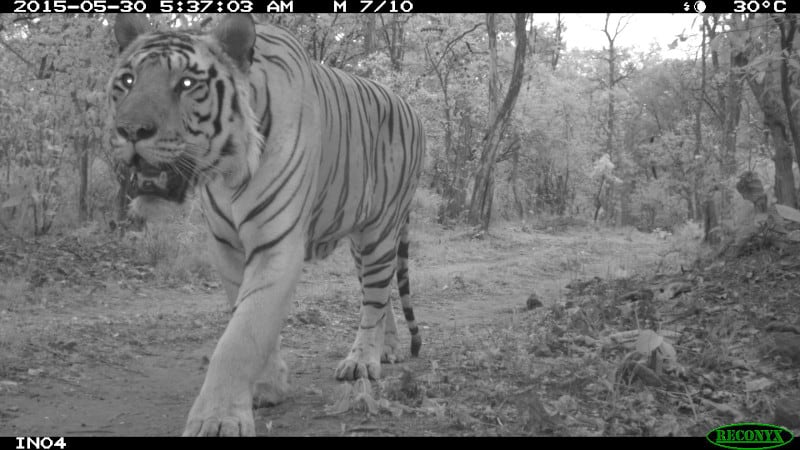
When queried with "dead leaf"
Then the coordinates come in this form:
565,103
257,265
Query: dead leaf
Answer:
724,408
463,417
667,351
432,406
648,341
668,426
394,408
623,336
758,385
566,404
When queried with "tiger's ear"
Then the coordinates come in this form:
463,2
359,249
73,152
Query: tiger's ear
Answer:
128,27
236,33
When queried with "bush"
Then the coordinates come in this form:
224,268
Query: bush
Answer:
656,206
425,205
178,247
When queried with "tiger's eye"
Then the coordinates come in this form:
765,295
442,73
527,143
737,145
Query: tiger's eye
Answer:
186,83
127,80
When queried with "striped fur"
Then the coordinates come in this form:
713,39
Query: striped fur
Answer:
289,157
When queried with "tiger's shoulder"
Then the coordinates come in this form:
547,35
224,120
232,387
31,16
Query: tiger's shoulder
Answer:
275,40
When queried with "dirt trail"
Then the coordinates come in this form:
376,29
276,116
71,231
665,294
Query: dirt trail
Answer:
130,362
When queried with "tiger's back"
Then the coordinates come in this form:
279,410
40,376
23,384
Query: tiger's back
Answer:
372,142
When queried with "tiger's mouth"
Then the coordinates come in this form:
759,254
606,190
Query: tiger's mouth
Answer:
161,181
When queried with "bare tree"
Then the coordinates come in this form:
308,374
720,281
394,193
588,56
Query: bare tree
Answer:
480,210
559,43
604,196
613,77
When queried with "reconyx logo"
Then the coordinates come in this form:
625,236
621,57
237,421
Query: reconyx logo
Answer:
741,436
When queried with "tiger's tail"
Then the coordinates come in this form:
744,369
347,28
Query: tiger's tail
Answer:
403,287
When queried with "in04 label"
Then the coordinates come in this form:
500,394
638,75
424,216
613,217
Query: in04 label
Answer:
45,443
749,436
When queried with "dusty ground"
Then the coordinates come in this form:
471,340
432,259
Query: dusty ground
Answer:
92,346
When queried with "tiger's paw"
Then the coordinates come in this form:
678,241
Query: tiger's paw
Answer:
213,417
391,349
359,365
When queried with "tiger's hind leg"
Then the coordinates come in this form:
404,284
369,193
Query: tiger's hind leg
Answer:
376,258
391,343
391,352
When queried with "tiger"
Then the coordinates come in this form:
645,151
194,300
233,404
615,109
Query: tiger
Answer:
288,157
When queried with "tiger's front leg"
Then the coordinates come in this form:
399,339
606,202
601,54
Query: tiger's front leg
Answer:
247,348
273,386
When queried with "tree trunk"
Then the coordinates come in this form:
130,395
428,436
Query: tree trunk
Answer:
784,177
481,203
711,219
397,41
612,72
369,33
123,174
562,192
608,201
698,135
788,27
598,198
491,31
732,111
558,43
729,95
774,120
512,178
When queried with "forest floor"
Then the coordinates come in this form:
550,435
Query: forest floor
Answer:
96,340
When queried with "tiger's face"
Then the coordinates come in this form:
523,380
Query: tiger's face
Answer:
181,116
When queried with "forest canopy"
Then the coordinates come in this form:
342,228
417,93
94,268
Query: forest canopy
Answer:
518,127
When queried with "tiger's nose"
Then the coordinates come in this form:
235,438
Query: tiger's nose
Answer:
137,132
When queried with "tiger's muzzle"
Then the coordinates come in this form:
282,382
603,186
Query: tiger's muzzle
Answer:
162,181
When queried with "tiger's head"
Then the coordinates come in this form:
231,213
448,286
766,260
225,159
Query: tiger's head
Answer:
180,108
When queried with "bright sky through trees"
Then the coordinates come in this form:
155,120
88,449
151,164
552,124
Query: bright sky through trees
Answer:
584,31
